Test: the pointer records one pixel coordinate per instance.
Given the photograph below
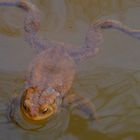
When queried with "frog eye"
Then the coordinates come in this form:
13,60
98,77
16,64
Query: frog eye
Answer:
25,107
45,110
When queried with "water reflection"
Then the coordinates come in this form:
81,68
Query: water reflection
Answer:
116,96
65,13
114,91
11,117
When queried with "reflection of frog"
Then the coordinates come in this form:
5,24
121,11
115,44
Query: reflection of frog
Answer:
52,72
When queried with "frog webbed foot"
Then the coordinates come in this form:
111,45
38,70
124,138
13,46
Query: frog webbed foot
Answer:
80,106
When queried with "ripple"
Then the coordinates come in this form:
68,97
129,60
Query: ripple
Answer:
57,123
117,100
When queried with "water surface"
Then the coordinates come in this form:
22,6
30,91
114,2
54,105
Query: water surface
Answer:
111,80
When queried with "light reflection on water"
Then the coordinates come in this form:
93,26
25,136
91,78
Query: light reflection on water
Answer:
65,13
10,85
114,91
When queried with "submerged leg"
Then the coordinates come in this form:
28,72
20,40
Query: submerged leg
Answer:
31,22
94,39
78,103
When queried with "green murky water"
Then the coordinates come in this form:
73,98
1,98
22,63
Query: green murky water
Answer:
111,80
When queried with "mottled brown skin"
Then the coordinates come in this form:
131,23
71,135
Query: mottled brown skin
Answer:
51,73
52,69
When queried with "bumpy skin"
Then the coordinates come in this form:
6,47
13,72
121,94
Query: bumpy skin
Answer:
52,72
52,68
51,75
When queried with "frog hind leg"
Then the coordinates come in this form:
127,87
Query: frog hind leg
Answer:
78,104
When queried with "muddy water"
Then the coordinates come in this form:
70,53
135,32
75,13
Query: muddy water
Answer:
111,80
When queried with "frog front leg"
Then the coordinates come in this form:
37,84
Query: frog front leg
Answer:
75,102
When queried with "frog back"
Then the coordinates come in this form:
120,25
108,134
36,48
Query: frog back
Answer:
54,68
